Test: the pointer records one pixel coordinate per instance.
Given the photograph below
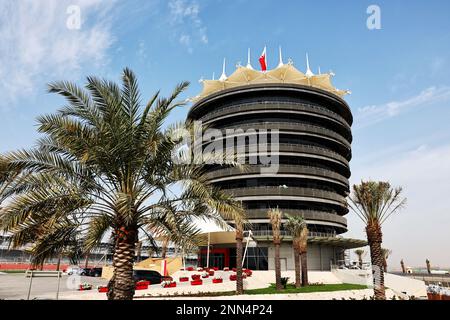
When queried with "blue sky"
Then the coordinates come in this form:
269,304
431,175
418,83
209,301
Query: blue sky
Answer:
398,76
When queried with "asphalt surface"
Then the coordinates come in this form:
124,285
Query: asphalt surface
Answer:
14,286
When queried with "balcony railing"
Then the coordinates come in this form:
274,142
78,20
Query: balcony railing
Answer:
289,105
285,233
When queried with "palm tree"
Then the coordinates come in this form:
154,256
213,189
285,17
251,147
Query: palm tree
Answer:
239,238
105,163
402,264
304,255
374,202
275,220
296,226
386,253
360,253
428,266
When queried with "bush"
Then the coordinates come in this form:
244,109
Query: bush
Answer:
284,281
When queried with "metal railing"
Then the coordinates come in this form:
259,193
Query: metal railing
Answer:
284,168
261,105
297,126
289,191
269,233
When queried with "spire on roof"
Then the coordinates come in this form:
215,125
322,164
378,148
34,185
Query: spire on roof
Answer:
214,76
223,77
308,73
320,72
249,65
280,64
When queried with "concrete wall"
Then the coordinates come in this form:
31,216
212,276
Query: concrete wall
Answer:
319,257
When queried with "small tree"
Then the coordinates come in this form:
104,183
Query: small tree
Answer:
296,225
275,220
386,254
402,264
360,253
428,266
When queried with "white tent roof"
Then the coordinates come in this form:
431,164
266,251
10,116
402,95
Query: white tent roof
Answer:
284,73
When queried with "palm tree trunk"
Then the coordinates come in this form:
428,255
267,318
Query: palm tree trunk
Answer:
304,262
277,267
164,248
58,263
122,286
360,262
86,261
375,237
239,280
298,280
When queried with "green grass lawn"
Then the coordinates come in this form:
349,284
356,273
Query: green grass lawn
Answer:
12,271
311,288
271,290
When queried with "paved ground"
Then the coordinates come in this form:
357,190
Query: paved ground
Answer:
15,286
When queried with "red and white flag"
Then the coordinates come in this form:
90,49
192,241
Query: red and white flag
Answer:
263,61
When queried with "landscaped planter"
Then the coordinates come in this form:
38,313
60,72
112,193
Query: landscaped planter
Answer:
195,277
217,280
102,289
84,287
196,282
170,285
184,279
141,286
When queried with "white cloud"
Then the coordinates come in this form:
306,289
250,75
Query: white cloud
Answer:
185,19
37,45
420,230
372,114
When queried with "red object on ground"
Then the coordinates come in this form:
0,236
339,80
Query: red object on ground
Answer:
196,282
205,276
234,269
232,277
195,276
103,289
216,268
211,272
217,280
184,279
190,268
172,285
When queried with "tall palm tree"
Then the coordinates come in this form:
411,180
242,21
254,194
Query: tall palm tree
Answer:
360,253
239,246
428,266
402,265
304,254
296,226
374,202
275,221
386,254
105,164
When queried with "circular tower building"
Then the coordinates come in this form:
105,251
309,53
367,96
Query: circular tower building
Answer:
297,134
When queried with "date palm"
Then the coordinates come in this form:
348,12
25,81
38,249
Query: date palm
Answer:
296,226
374,202
275,221
402,265
428,266
360,253
239,245
105,165
386,254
